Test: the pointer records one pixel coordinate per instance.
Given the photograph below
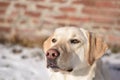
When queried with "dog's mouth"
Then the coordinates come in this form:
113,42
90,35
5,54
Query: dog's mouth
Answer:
55,68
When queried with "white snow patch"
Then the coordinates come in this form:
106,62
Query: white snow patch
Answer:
28,64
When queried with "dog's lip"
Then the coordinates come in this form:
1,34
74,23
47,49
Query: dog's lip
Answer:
56,68
70,70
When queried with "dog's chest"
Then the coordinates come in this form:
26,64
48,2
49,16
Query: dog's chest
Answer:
59,76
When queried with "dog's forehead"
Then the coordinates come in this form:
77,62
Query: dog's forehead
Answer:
72,31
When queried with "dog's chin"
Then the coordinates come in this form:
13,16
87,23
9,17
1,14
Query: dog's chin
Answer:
57,69
61,70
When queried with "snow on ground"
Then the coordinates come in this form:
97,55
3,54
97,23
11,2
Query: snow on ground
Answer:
19,63
111,66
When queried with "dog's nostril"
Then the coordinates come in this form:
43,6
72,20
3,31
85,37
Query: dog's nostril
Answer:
54,54
47,54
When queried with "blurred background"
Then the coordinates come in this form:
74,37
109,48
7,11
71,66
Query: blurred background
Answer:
29,22
33,20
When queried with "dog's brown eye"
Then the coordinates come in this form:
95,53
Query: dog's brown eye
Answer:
74,41
54,40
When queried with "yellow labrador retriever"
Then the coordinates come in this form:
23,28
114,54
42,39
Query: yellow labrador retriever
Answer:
71,53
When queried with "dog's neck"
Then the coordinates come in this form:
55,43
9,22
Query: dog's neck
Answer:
87,73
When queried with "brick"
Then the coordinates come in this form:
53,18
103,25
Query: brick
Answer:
20,5
61,17
76,2
26,30
118,21
5,29
4,4
58,1
102,19
106,27
88,2
97,3
22,22
71,18
9,20
106,4
42,7
78,19
63,23
36,21
47,22
118,28
67,9
90,10
95,26
2,20
2,11
85,2
114,38
14,13
105,12
36,0
32,14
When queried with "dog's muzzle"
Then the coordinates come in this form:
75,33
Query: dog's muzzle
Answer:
52,55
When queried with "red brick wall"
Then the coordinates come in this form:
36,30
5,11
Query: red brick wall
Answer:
101,16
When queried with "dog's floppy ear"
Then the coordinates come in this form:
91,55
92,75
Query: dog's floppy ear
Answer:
47,43
97,48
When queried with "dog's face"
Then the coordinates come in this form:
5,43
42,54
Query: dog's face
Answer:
69,48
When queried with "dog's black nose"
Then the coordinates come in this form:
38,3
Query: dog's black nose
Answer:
52,54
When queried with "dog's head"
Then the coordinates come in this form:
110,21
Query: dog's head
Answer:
69,48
